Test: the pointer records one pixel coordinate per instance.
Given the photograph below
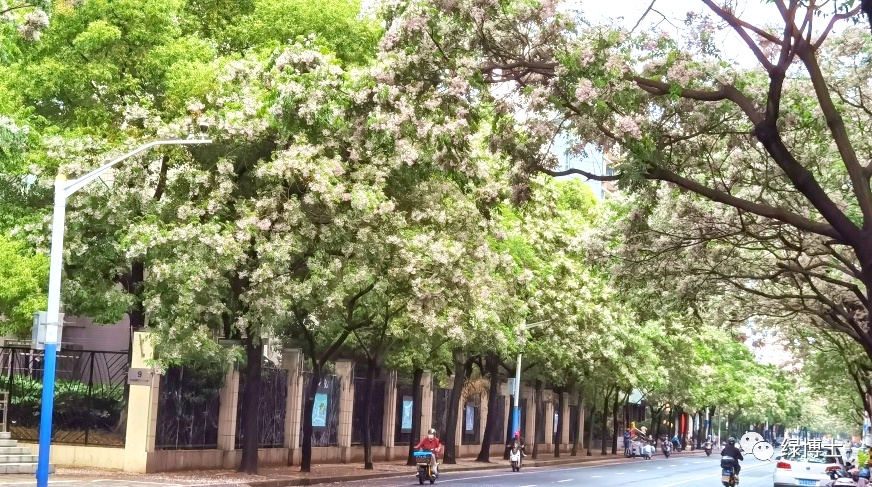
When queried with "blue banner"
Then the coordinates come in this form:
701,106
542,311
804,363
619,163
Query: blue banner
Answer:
319,412
406,424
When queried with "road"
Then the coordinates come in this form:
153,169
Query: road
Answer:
659,472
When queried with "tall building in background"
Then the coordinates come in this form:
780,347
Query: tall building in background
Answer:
594,162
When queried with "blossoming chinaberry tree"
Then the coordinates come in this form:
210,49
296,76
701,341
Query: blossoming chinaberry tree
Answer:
781,146
178,235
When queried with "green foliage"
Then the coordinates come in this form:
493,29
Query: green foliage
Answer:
77,406
23,282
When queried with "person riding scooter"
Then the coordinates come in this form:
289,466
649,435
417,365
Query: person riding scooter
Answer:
732,451
517,440
431,443
676,443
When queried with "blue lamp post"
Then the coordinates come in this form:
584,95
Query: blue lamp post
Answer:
516,410
63,190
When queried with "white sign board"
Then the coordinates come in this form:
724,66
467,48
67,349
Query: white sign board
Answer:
512,387
140,377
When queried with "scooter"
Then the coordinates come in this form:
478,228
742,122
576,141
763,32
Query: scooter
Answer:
635,449
425,471
515,459
838,478
728,471
707,446
666,447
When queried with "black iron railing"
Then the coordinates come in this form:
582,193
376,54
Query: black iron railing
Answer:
90,406
188,406
272,409
376,413
325,418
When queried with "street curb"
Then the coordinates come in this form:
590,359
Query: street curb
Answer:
410,473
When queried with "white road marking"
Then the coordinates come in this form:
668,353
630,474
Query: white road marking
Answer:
531,485
595,476
710,476
561,481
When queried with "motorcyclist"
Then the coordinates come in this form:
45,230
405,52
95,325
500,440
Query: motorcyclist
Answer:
431,443
517,440
731,450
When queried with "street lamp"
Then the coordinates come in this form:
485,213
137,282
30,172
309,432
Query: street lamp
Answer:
64,189
516,412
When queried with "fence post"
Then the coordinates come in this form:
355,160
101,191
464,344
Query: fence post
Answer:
292,362
483,412
564,415
426,406
390,415
142,408
229,402
549,418
345,372
531,410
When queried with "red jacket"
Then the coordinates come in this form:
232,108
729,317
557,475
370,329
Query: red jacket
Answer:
432,445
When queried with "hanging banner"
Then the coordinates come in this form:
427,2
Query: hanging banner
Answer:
406,423
319,412
470,417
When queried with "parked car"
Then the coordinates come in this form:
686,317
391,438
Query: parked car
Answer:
805,470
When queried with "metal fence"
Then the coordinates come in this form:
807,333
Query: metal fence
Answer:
497,407
376,413
188,405
441,401
325,416
540,423
272,409
573,423
405,407
471,417
90,395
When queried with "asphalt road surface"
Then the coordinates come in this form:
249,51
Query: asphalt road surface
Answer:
659,472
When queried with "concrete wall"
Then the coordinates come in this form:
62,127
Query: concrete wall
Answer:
106,458
140,454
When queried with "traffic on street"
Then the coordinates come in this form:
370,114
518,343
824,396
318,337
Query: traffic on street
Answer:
692,471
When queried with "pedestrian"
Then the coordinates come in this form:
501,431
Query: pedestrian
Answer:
627,436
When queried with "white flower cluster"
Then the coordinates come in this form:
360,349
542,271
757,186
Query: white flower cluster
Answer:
34,23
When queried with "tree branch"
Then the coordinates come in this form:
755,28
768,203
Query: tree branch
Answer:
588,175
767,211
739,26
836,18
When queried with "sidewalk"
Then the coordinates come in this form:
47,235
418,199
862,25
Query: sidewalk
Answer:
291,476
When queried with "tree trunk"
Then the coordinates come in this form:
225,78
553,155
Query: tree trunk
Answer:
579,427
308,409
560,419
371,371
251,404
451,439
509,432
492,364
592,425
417,412
540,419
604,428
655,422
615,412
